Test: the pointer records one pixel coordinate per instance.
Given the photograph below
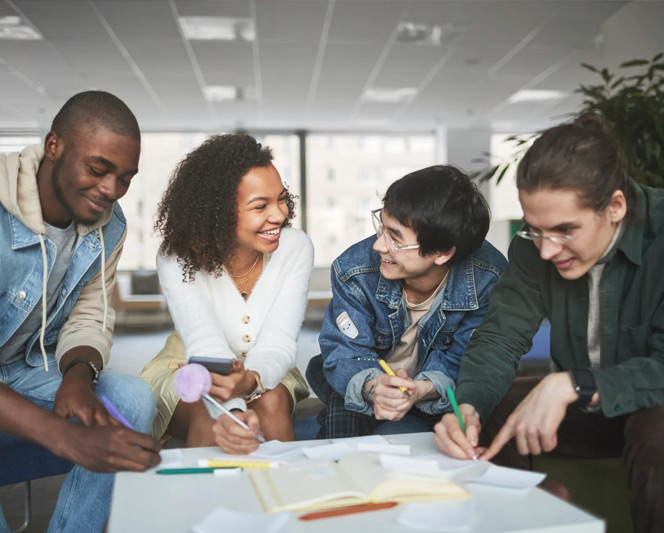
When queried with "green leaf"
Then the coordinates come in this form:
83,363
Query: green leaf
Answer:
634,63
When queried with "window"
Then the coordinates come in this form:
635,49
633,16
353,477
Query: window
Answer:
364,166
160,153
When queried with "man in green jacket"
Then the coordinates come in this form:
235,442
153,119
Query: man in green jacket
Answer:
589,258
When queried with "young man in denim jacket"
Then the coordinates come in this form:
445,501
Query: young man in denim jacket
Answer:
61,234
412,295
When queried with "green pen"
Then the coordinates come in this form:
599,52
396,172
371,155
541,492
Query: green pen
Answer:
199,470
455,406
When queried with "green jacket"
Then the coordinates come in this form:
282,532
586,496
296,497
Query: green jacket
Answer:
631,373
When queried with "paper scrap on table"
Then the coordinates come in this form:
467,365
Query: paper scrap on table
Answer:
408,464
445,462
224,519
355,442
329,452
509,477
171,457
275,449
445,516
379,447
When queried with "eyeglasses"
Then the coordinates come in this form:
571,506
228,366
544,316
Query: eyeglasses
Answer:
380,231
557,238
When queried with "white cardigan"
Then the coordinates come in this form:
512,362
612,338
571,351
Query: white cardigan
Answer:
213,319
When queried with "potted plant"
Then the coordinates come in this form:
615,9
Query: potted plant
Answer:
634,103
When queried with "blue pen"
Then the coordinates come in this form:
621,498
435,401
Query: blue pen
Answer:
115,413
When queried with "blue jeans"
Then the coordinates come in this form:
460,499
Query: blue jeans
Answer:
84,500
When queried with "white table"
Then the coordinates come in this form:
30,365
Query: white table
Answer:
150,502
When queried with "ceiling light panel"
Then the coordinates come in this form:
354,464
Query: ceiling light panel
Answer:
218,29
12,28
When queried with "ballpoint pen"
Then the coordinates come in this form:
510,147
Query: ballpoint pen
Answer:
390,372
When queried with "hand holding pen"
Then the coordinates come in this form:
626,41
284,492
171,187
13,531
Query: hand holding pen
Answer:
193,383
457,433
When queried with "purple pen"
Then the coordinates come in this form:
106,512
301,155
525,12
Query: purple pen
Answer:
115,413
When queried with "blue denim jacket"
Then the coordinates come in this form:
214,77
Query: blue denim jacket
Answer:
377,308
21,279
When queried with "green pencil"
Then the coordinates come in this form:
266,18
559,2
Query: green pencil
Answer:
199,470
450,395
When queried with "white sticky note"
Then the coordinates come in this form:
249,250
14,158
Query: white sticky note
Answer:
328,452
377,447
171,457
408,464
276,448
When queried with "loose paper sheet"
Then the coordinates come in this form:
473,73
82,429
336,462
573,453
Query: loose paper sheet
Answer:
509,477
223,519
444,516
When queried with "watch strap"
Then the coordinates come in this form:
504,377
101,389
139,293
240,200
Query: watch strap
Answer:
583,381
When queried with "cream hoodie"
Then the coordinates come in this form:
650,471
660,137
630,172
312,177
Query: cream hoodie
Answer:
91,321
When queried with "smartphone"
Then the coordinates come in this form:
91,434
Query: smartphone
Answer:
214,364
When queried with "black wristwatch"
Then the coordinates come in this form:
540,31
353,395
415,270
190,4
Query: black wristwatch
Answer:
584,384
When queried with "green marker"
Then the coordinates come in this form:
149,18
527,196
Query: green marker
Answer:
450,395
172,471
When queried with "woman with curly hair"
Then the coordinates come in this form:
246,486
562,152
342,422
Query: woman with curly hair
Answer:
235,276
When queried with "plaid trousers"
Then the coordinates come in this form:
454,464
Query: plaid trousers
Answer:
338,422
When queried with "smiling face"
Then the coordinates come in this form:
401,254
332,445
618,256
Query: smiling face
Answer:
406,265
261,210
81,179
561,212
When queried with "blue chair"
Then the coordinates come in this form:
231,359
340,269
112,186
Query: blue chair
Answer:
22,461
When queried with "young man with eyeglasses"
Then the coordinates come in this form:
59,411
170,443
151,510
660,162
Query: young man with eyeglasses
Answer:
411,295
590,259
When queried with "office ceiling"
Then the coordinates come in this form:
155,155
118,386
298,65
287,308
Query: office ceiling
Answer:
313,64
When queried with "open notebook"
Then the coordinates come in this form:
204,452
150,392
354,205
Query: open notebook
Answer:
357,478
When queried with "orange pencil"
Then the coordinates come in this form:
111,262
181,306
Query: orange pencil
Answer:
348,510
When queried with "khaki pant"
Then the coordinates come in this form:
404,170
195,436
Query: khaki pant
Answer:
159,374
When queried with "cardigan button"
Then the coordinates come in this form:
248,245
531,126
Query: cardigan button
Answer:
21,295
246,338
579,338
246,319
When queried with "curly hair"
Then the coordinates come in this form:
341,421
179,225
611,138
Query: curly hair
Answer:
197,216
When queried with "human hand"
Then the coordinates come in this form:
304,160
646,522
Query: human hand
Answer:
450,438
76,399
237,384
390,402
535,421
108,449
233,438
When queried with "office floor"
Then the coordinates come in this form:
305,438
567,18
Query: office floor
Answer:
129,354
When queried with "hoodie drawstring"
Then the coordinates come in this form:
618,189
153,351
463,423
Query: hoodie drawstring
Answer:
103,279
42,333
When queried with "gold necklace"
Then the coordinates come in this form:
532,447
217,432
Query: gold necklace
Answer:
248,271
243,289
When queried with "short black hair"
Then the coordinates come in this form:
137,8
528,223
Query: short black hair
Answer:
92,110
443,206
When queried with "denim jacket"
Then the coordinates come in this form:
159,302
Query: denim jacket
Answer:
21,284
377,309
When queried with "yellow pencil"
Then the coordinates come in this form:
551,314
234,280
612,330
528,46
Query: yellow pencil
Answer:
221,463
390,372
